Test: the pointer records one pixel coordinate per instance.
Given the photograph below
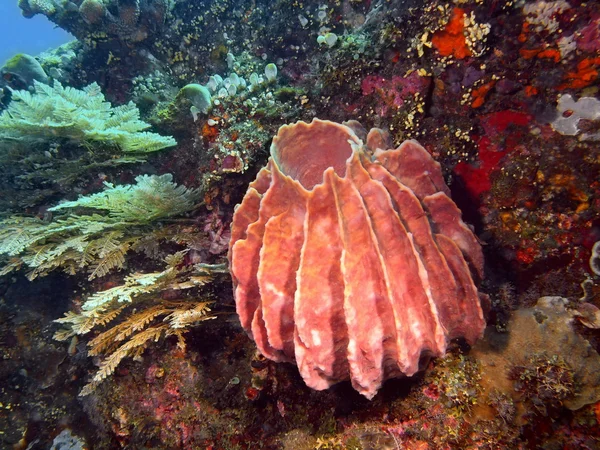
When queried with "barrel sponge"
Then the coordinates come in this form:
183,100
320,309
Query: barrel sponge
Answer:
352,261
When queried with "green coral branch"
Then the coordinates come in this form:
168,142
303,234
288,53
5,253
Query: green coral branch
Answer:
80,115
152,198
98,241
151,317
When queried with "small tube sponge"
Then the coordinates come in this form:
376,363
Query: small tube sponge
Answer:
270,72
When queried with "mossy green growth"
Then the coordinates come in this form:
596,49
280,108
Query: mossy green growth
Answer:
26,68
190,100
546,381
288,93
13,62
457,377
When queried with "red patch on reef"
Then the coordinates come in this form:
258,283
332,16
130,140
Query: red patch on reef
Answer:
530,91
252,393
549,53
451,40
495,124
526,255
529,53
480,93
585,74
431,391
477,178
398,86
209,133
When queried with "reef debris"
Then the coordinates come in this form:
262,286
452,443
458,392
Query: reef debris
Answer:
551,363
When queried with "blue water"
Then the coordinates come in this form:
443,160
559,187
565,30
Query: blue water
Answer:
21,35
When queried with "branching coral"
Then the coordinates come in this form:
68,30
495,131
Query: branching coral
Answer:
151,318
151,198
82,115
97,242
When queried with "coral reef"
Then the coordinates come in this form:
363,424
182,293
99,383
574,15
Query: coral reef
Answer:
503,94
368,286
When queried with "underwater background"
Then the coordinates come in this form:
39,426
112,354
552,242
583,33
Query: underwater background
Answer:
141,309
20,35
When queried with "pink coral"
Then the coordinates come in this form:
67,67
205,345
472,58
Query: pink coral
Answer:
351,261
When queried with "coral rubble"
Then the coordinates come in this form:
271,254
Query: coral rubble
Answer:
538,338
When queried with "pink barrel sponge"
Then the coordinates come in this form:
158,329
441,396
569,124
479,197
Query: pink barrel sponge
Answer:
350,260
